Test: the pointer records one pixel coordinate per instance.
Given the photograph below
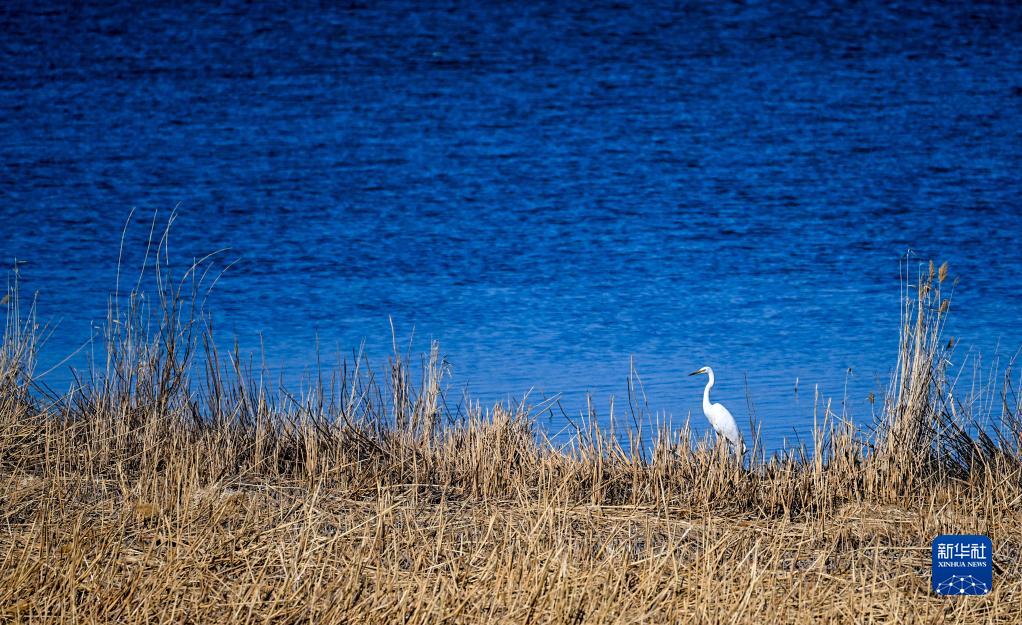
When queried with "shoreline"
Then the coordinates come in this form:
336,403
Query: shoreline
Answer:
146,496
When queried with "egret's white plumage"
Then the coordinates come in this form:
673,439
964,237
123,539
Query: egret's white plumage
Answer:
719,416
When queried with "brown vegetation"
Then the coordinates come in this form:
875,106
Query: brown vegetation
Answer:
150,494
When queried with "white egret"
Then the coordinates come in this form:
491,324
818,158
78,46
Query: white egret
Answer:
719,416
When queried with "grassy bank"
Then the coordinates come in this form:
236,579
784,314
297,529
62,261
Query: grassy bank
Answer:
173,484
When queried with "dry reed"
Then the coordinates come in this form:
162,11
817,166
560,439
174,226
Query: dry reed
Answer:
174,484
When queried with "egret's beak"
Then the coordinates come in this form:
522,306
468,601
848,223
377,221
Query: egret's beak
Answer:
697,372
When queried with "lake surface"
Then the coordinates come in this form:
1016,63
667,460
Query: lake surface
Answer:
548,190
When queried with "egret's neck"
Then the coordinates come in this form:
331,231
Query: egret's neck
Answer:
706,391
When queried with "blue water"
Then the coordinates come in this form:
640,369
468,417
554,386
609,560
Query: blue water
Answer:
549,190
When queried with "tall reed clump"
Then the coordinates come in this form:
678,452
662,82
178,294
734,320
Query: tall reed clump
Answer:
908,445
176,483
929,432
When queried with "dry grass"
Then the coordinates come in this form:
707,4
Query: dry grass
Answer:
152,494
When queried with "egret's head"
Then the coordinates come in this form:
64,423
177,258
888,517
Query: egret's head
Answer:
699,371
